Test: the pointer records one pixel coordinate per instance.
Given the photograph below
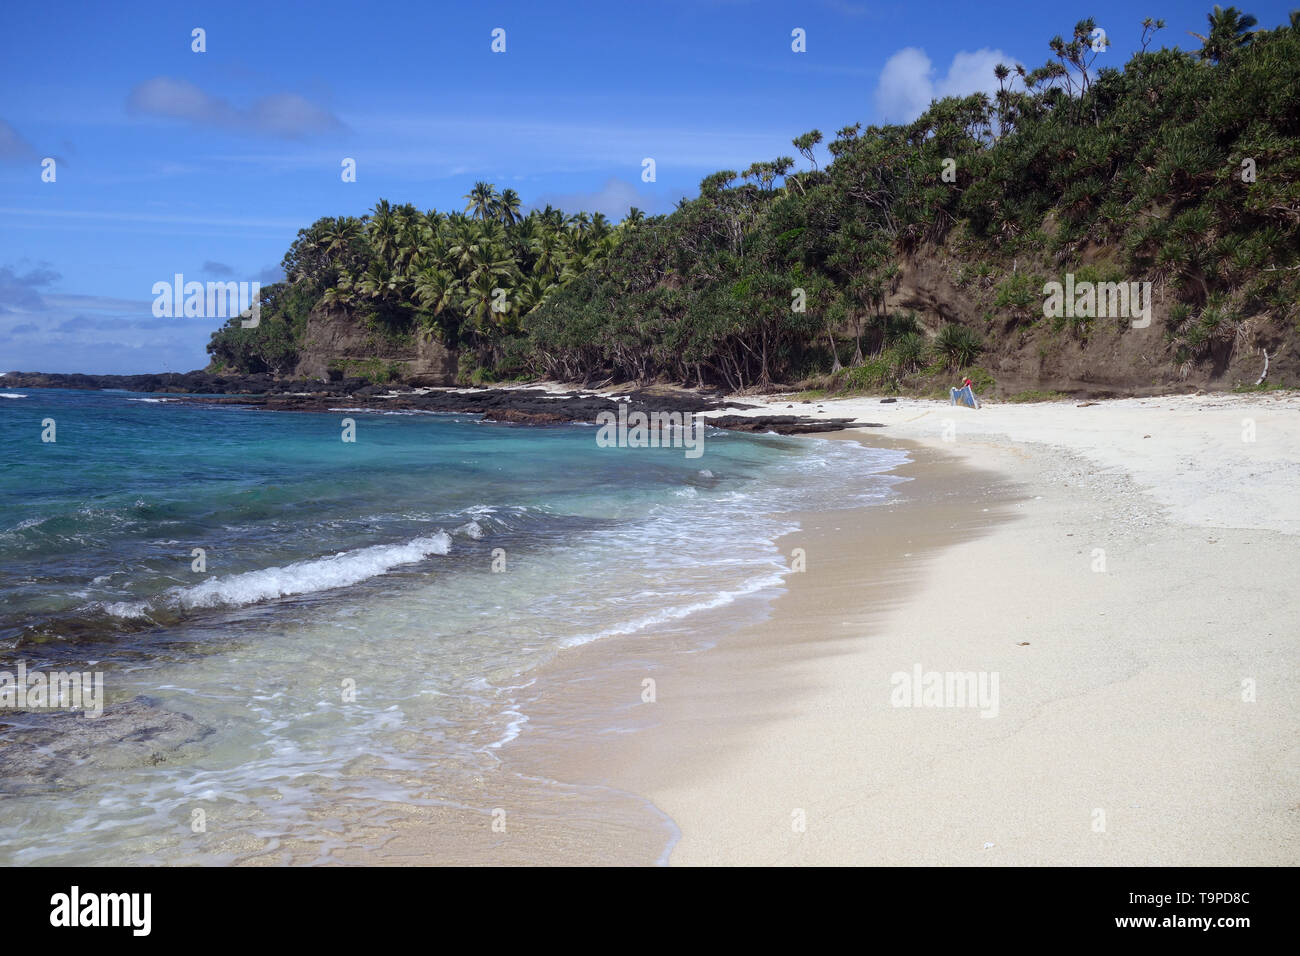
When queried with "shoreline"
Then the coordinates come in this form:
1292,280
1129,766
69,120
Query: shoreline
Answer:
591,734
1124,570
1143,630
1140,621
717,722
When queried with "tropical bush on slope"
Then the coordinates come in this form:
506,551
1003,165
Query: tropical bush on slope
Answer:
1146,161
1147,167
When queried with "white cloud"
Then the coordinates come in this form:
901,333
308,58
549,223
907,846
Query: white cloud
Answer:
280,114
19,292
908,82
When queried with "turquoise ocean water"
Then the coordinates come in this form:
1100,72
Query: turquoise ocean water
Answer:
424,571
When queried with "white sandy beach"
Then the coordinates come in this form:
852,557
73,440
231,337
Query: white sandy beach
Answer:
1134,597
1188,451
1147,712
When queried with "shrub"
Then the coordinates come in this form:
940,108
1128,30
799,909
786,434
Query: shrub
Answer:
956,346
874,373
908,352
980,274
1019,293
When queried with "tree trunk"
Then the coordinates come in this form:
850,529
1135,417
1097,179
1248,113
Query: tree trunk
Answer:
835,355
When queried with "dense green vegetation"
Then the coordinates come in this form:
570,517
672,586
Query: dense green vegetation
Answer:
467,276
1140,173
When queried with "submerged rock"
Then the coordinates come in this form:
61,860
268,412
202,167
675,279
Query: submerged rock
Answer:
42,750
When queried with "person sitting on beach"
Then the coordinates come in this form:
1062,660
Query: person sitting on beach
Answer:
964,395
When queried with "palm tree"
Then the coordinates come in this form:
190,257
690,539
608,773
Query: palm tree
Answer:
410,225
606,245
436,289
553,217
532,293
492,232
462,244
340,233
482,200
379,283
580,244
549,250
579,223
476,302
382,230
509,206
1230,30
340,293
492,260
526,230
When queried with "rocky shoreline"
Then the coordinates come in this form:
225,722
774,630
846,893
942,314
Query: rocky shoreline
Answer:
525,406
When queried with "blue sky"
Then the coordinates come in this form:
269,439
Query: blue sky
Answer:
207,164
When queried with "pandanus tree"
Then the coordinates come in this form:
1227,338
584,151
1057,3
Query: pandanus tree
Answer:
1078,54
806,144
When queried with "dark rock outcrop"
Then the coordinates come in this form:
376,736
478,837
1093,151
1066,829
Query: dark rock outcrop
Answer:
526,406
334,343
787,424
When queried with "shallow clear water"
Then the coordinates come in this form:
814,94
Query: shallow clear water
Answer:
367,614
